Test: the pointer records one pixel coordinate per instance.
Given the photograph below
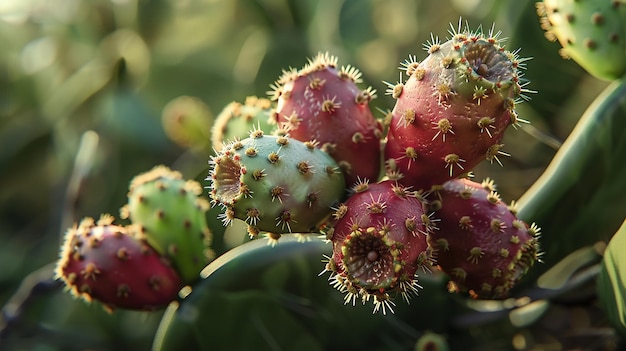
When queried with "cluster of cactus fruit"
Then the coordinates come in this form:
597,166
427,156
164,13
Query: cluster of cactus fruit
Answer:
144,264
395,198
392,197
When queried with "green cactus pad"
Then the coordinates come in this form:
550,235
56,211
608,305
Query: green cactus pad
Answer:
276,184
574,213
592,33
274,294
167,212
612,280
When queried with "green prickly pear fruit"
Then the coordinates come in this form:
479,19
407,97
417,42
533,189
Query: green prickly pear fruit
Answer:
453,109
276,184
101,261
187,120
237,120
481,244
168,213
591,32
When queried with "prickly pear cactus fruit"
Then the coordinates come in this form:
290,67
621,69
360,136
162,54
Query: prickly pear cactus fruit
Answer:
186,120
276,184
379,242
323,103
481,244
167,211
236,120
101,261
453,109
591,32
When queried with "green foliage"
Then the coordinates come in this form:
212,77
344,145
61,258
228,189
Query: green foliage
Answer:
612,280
83,86
580,194
264,297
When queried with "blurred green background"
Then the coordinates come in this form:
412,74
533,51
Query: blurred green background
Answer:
110,66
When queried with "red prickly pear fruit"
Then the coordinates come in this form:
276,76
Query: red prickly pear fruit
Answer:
100,261
322,103
379,242
480,243
236,120
452,111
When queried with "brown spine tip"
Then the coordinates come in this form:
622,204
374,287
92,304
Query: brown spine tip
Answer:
273,157
330,105
475,254
155,283
258,174
408,117
123,290
251,152
122,254
160,214
276,193
419,73
590,44
465,223
340,212
597,19
282,140
90,271
497,226
304,167
358,137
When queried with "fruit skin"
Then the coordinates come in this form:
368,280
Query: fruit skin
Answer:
480,243
167,211
101,261
320,102
452,111
236,120
186,121
275,183
592,33
379,242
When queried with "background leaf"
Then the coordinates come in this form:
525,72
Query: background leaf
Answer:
612,280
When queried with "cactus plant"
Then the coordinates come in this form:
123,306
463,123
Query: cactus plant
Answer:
275,183
236,120
379,243
592,33
453,109
323,103
480,243
101,261
379,231
167,211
